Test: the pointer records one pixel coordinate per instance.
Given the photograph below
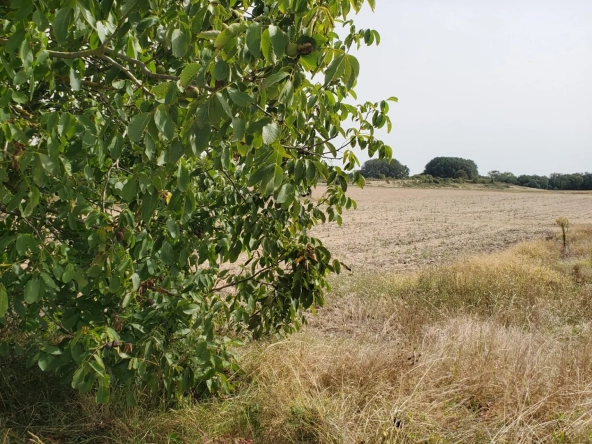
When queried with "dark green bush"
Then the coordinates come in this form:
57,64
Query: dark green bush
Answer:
451,167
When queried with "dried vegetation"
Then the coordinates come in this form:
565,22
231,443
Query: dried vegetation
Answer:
489,348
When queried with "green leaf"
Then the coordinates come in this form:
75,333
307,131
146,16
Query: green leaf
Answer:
253,39
210,35
261,175
266,47
102,395
69,274
126,299
221,70
287,93
135,281
299,170
286,193
273,79
274,181
137,125
352,70
179,42
3,301
175,152
32,290
278,41
183,179
311,170
103,31
167,253
75,80
19,97
173,228
238,129
225,157
271,133
336,69
129,191
63,19
224,103
49,164
45,361
162,89
188,74
227,35
149,204
25,53
78,378
164,123
239,97
32,202
116,146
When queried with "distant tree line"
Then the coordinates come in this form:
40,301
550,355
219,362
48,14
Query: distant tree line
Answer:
459,168
555,181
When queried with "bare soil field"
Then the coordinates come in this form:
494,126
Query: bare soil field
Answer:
399,229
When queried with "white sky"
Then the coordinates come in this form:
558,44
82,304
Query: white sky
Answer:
506,83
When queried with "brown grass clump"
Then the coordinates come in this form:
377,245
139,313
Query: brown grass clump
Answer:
490,349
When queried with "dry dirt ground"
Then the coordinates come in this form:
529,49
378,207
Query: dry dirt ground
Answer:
399,229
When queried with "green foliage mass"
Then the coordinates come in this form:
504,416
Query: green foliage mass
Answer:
152,155
379,168
451,167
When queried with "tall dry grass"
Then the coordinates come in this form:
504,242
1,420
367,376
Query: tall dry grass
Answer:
493,348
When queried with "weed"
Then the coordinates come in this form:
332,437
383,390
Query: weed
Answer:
563,222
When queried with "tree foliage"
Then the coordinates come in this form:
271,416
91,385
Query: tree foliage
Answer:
556,181
451,167
379,168
152,155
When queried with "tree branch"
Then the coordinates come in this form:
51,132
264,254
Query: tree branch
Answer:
234,186
68,55
126,72
142,66
234,284
77,54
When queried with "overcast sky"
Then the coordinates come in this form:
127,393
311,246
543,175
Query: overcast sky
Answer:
506,83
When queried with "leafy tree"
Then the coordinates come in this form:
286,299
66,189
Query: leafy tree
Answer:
146,146
461,174
508,177
577,181
449,167
533,181
377,168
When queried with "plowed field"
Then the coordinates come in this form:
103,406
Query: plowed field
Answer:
403,228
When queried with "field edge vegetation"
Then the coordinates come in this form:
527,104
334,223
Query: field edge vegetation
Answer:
493,348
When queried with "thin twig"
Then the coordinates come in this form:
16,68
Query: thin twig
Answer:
234,284
77,54
126,72
104,195
142,66
234,185
322,142
59,324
